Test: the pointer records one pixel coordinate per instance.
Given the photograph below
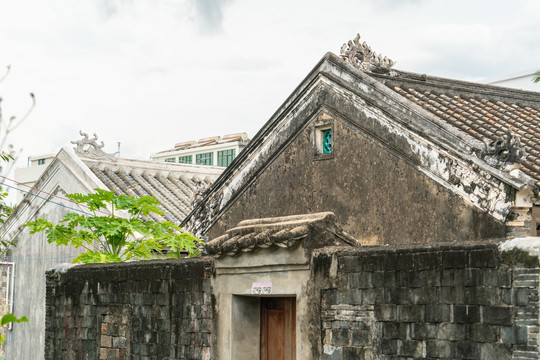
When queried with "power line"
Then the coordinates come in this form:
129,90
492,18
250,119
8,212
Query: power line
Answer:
53,202
57,196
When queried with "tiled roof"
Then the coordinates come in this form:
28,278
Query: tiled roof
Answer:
482,111
175,186
283,232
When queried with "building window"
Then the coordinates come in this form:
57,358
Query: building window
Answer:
170,160
327,141
188,159
41,162
323,140
225,157
205,159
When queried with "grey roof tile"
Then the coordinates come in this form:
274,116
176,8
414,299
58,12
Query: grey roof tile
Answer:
173,185
482,111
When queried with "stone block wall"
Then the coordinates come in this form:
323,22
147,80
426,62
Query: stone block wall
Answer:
143,310
459,302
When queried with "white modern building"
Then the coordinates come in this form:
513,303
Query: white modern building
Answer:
213,151
26,177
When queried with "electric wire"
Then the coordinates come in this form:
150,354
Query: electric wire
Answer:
44,192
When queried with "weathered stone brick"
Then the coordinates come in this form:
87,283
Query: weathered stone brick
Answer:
427,260
454,259
496,277
514,334
483,333
350,296
437,313
451,331
467,350
410,348
411,313
424,295
329,297
395,330
360,337
105,341
362,280
497,351
385,312
438,349
483,258
483,295
433,277
497,315
404,261
389,346
332,352
466,314
452,295
340,337
372,296
351,353
378,279
520,296
423,331
390,279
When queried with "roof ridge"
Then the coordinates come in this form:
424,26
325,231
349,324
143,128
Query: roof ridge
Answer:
460,85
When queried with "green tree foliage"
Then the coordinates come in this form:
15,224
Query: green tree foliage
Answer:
536,78
111,238
10,318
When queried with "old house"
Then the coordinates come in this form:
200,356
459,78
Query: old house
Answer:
377,214
80,170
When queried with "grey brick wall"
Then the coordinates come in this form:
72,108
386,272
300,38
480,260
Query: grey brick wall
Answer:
143,310
461,302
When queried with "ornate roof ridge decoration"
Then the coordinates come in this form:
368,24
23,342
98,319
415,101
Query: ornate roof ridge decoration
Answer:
364,58
503,152
89,148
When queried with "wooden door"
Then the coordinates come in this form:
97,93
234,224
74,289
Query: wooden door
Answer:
278,328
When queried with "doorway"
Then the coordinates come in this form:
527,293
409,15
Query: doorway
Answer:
278,328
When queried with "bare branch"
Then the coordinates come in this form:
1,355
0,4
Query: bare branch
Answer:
6,73
33,97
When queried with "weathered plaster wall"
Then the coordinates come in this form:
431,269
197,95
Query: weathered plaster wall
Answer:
239,331
34,255
393,202
460,302
144,310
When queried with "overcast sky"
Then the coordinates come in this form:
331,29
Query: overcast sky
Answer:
151,73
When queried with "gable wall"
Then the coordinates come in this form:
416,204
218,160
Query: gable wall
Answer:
34,255
377,196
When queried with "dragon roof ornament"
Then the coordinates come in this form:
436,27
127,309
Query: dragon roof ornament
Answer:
364,58
503,152
91,149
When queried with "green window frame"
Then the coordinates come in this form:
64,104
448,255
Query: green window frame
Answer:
41,162
225,157
170,160
327,141
188,159
205,159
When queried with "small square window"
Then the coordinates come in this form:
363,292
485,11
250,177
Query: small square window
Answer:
323,141
41,162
